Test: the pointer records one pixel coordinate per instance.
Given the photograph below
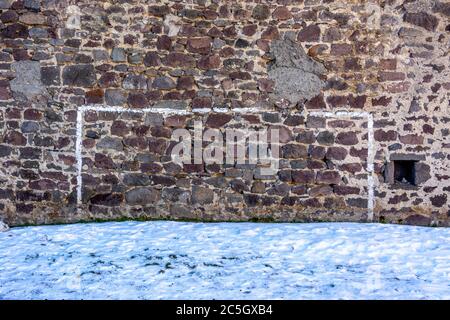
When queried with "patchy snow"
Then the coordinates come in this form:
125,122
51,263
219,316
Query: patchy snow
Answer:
178,260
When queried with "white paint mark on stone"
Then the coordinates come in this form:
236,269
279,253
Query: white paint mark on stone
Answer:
246,110
221,110
201,110
370,167
374,16
74,17
172,25
78,153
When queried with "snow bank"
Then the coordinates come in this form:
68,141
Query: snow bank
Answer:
174,260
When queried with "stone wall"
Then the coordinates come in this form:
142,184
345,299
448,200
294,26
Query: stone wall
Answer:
229,64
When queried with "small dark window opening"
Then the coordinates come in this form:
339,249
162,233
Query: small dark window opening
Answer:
404,171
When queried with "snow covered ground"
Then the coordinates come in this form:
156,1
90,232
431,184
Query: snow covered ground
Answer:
178,260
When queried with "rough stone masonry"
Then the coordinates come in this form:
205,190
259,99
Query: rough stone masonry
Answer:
231,64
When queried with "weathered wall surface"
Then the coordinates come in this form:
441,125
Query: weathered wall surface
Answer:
229,64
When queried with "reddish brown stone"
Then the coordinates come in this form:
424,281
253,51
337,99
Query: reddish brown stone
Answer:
140,130
351,167
95,96
261,12
316,103
388,64
201,102
15,30
164,43
352,64
418,220
265,85
140,143
381,101
439,200
158,11
9,16
345,190
249,30
284,134
199,45
251,118
32,114
137,100
294,151
320,191
24,208
341,124
391,76
357,202
151,59
15,138
230,32
43,184
328,177
151,168
281,13
422,19
240,75
336,153
209,62
21,54
104,162
108,200
294,120
411,139
30,153
341,49
215,32
108,80
317,49
161,132
359,153
316,164
303,176
381,135
428,129
347,138
185,82
177,121
193,168
317,152
310,33
311,203
398,198
119,128
157,145
5,94
357,102
218,120
299,189
337,101
176,59
271,33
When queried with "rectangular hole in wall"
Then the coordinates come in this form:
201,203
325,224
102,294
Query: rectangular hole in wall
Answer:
404,171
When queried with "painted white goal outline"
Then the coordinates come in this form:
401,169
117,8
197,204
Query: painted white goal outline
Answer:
166,111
